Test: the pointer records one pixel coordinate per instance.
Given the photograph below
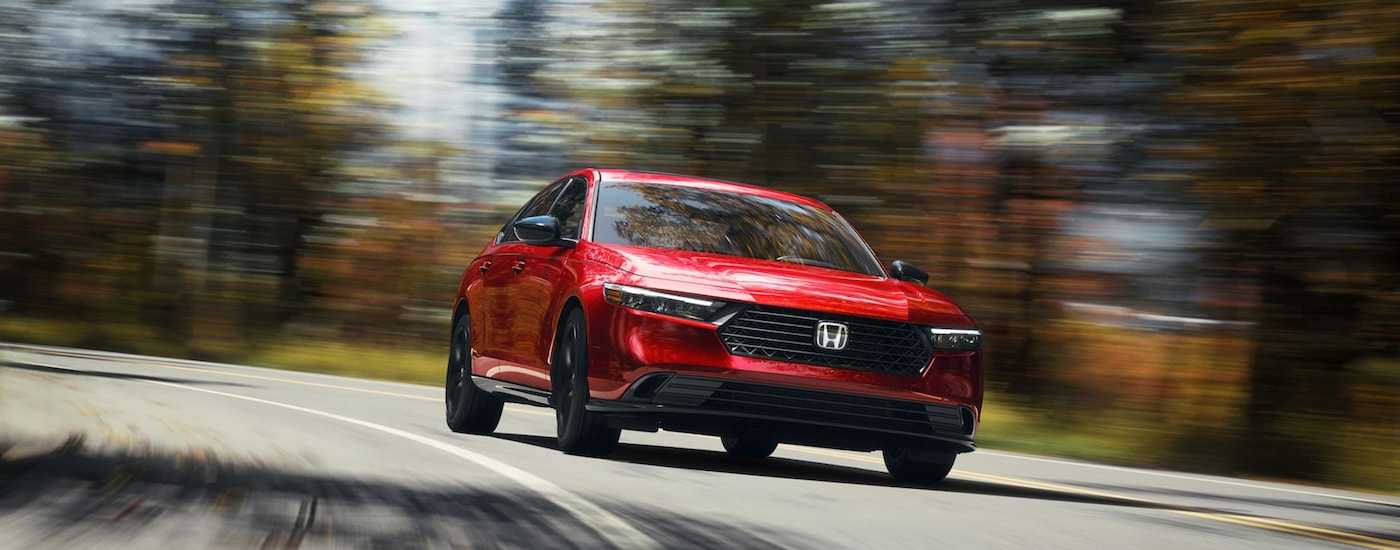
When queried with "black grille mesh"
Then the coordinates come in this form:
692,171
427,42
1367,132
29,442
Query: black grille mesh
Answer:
811,406
790,335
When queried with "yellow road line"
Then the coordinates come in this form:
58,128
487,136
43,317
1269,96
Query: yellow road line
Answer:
532,410
1056,487
1354,539
1280,526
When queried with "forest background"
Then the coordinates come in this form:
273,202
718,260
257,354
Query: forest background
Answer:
1176,221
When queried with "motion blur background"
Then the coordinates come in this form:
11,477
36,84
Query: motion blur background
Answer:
1176,221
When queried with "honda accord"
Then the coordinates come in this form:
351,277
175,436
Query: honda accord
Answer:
630,300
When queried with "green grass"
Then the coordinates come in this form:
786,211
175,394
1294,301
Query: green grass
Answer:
1011,427
424,365
406,364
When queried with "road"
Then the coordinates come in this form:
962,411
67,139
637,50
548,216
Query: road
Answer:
104,450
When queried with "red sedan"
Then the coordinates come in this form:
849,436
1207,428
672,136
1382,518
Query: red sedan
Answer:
645,301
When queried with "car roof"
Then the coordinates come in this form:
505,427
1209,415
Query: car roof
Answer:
662,178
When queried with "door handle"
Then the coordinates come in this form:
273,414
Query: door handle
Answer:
519,266
485,266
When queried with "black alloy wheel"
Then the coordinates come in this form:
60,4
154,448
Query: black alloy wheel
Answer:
580,432
913,465
469,408
749,446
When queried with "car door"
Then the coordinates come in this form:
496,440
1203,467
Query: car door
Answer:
542,272
495,310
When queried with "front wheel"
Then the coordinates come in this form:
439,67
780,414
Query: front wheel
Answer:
580,432
469,409
915,465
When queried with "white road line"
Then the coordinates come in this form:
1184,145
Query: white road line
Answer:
1127,469
611,527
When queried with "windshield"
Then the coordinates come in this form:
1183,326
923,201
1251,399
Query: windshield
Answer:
715,222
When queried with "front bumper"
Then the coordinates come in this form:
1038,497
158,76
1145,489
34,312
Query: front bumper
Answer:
801,416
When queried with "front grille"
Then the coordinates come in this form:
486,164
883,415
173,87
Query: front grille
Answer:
819,407
790,335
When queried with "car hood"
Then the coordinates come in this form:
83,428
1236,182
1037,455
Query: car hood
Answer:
771,283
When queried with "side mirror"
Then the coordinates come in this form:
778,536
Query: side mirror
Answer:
908,272
540,230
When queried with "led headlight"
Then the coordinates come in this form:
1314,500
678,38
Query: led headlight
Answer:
675,305
956,339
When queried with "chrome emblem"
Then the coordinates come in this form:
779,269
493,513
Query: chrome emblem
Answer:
832,336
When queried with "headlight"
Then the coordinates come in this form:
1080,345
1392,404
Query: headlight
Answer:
957,339
675,305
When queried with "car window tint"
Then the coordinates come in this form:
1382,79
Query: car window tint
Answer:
708,221
538,206
568,209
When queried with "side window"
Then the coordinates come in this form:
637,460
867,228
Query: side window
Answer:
569,208
537,206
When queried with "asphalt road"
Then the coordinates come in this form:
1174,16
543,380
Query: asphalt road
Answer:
102,450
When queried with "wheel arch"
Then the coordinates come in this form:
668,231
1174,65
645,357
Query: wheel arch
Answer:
458,311
569,304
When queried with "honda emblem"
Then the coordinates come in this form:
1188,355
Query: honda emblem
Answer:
832,336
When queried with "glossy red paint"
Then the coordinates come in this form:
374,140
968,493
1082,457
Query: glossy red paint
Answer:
515,294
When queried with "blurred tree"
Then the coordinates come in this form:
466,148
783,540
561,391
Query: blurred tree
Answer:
1286,107
533,146
289,111
68,113
204,130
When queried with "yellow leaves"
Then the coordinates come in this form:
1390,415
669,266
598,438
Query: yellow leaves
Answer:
1203,49
259,161
195,61
170,148
341,8
339,49
1026,44
691,89
1242,17
1291,32
376,28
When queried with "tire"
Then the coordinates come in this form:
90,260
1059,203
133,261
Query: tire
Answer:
749,446
469,409
918,465
580,432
